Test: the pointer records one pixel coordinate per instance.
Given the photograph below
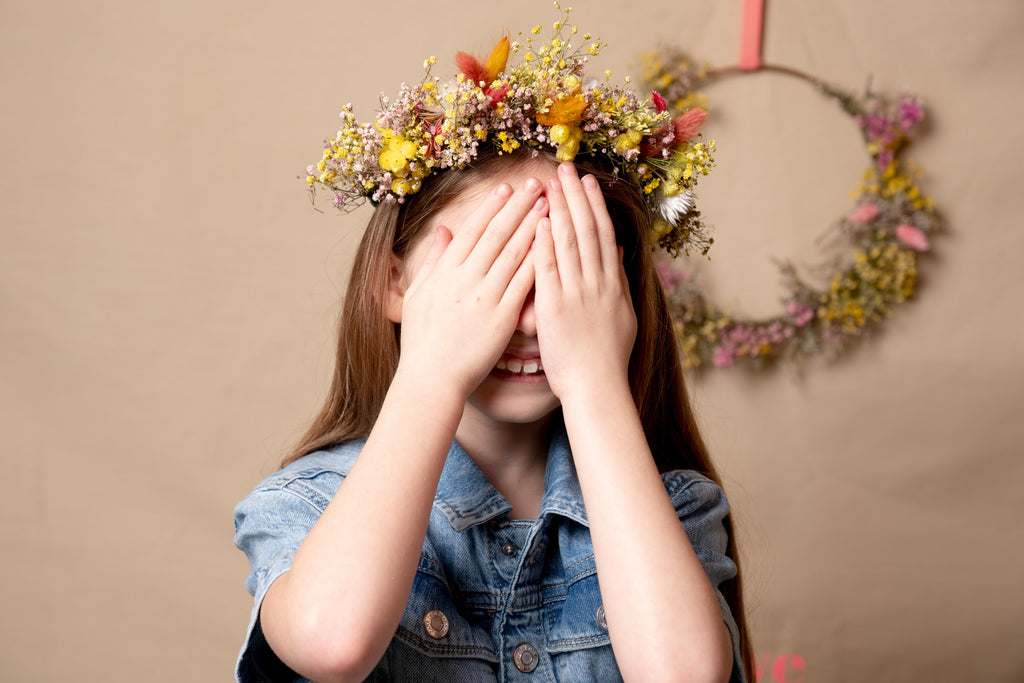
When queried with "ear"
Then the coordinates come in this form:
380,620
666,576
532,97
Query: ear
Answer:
395,295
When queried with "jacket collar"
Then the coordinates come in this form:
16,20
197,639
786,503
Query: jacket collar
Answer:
466,498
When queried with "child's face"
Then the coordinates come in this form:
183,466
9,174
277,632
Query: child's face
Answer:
516,390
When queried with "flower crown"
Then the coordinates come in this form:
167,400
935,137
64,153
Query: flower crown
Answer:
541,103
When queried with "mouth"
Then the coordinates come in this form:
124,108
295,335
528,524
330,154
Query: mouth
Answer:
519,367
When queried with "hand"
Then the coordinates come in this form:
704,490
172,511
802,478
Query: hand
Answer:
461,308
585,319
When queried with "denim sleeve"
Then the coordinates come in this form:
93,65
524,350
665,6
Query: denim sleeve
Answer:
702,506
270,525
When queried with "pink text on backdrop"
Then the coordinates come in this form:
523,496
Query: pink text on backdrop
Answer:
780,668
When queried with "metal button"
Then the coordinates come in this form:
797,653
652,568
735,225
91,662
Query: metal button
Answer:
526,658
601,621
436,623
509,548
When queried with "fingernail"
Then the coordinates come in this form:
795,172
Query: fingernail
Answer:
566,169
532,184
539,204
590,182
503,190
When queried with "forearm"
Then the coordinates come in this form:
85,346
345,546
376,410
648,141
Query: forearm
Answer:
663,614
334,613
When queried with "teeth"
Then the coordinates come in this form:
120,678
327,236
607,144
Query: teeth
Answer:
515,366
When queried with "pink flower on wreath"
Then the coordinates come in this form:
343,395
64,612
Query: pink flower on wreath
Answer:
723,357
802,314
668,275
865,213
912,236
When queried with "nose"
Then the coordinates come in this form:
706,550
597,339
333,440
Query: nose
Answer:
527,324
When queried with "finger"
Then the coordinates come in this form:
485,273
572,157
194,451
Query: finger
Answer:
442,238
473,227
610,251
621,268
521,283
505,224
582,218
518,245
544,261
563,235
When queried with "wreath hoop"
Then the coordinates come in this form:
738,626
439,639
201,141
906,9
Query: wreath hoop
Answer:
886,231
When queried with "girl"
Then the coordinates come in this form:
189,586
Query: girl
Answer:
505,482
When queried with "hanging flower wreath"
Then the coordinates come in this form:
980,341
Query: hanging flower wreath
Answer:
888,227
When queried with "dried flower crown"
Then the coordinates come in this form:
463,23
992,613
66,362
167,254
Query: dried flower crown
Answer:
541,103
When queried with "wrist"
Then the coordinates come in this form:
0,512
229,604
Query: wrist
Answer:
599,394
427,393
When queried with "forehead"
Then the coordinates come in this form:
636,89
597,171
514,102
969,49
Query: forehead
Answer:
515,175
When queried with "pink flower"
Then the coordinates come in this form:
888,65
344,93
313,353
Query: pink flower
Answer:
659,101
912,237
865,213
669,277
801,314
723,357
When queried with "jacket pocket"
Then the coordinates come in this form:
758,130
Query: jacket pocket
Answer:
433,625
578,622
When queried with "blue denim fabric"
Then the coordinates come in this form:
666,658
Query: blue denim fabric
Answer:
545,593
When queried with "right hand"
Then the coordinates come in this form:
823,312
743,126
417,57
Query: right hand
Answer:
462,305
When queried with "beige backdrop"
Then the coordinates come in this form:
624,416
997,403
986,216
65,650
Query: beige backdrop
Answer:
168,302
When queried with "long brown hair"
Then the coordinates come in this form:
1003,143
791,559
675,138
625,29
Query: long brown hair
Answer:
368,343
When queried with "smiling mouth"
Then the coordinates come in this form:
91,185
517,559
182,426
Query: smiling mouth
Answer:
515,366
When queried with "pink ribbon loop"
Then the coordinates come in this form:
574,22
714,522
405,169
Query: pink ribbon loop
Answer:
750,38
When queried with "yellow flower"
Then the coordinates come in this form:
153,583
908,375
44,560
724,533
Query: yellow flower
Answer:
659,228
567,150
507,144
408,149
627,141
405,186
394,161
567,109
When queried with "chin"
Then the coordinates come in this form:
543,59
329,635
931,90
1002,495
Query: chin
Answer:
512,400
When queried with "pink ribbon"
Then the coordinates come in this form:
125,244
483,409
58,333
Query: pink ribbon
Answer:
750,38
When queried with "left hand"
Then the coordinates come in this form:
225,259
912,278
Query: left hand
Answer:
585,319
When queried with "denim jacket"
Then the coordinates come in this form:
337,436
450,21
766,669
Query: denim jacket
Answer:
493,599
